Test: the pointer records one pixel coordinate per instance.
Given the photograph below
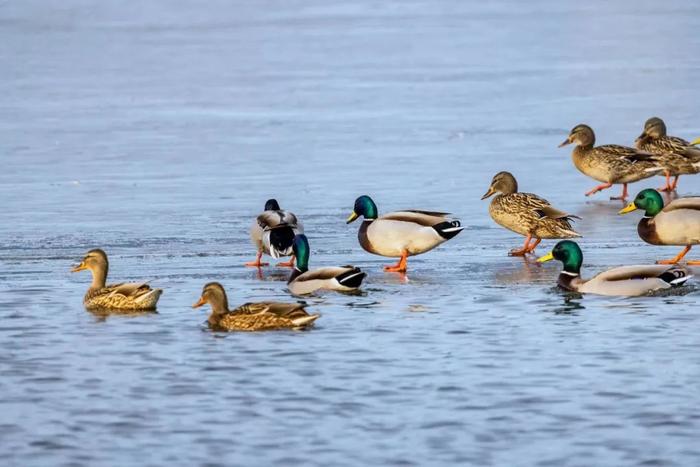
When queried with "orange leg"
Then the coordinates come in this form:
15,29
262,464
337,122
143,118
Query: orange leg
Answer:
675,183
624,193
533,245
522,251
604,186
400,266
287,264
257,263
678,257
669,185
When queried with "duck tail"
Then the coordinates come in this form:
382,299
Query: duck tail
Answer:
448,229
675,275
149,299
352,278
570,233
304,321
281,240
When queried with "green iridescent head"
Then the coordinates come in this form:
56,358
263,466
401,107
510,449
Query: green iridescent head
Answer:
301,251
650,201
569,253
364,206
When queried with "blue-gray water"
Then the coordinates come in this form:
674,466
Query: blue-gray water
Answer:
156,130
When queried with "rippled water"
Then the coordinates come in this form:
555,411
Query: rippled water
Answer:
157,130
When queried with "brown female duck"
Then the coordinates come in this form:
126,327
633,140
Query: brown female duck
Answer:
526,214
138,296
263,316
676,155
610,164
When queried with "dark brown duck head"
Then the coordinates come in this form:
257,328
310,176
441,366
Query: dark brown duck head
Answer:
96,261
654,128
582,135
504,183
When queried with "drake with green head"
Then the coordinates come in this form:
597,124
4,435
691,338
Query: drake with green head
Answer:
136,296
401,234
626,281
302,281
677,223
610,163
262,316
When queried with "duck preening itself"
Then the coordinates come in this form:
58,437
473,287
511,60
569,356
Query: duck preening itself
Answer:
273,233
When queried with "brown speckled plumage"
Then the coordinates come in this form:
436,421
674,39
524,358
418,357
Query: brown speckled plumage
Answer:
610,163
125,297
263,316
676,155
526,213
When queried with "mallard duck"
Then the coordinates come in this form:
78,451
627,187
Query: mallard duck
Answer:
611,164
526,214
676,224
302,281
262,316
272,233
136,296
401,233
677,156
627,281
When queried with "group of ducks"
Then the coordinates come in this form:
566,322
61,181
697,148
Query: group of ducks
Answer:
279,233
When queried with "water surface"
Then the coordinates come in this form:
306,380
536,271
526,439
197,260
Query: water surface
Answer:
157,131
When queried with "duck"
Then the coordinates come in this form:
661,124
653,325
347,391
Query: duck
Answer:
611,163
677,156
262,316
677,223
136,296
526,214
401,233
623,281
302,281
272,233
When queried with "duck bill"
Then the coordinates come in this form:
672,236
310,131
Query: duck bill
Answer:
629,208
79,267
490,192
548,257
640,138
199,303
695,142
352,217
564,143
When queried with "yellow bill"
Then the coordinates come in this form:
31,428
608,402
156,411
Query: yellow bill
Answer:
548,257
695,142
629,208
352,217
79,267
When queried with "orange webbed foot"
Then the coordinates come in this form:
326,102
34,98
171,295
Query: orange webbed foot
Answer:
400,266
